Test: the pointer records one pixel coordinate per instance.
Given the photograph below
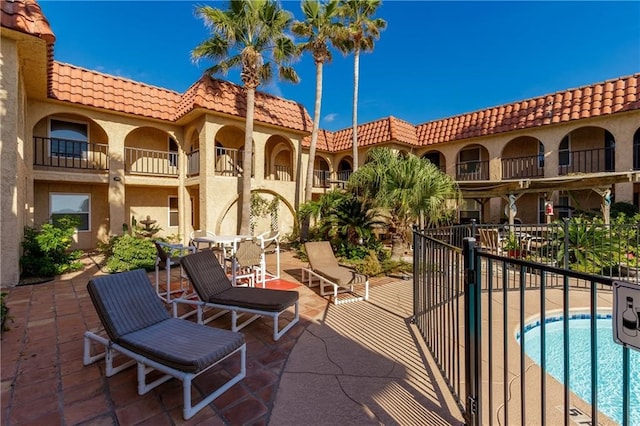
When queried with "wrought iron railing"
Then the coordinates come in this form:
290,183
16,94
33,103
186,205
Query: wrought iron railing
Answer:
321,178
595,160
343,175
150,162
523,167
472,170
70,154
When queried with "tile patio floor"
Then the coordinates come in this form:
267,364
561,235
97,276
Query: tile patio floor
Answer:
325,370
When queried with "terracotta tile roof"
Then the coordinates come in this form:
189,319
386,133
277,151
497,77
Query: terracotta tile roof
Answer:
27,17
228,98
325,141
594,100
91,88
389,129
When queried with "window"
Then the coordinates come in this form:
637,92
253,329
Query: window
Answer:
74,205
173,152
609,152
174,213
563,208
563,152
542,217
469,160
540,155
433,157
636,151
68,139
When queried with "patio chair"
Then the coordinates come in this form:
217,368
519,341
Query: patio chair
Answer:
168,255
324,266
246,264
139,327
216,291
490,240
269,243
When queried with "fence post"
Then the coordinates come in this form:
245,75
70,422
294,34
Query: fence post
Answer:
472,338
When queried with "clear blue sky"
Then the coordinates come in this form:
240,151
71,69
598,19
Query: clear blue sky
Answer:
434,60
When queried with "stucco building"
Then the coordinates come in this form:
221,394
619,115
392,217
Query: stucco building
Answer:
110,150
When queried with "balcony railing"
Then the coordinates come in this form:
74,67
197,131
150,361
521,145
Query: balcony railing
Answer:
70,154
595,160
228,162
284,173
193,163
321,178
151,162
343,175
523,167
472,170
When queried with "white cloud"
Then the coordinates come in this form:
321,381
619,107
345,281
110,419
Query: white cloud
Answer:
330,118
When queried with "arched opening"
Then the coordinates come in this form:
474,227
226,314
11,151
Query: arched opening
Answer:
345,169
436,158
278,159
70,141
193,154
472,163
229,152
587,150
321,173
523,157
150,151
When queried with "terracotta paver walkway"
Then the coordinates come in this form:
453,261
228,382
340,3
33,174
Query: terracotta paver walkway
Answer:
310,376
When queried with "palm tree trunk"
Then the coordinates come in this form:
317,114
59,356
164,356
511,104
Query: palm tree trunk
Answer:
247,166
356,78
314,134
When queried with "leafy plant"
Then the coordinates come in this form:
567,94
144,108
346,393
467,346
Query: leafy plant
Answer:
46,250
590,245
128,252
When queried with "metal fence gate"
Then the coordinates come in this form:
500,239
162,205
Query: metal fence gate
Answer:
481,315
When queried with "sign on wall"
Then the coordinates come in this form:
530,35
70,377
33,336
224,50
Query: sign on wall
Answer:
626,314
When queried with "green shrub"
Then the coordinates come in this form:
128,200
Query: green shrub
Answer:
46,251
4,312
129,252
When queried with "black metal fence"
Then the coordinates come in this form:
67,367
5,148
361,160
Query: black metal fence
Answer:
502,331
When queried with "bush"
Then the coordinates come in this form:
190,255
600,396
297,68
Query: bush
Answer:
128,252
46,251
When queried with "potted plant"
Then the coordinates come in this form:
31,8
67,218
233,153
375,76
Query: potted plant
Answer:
512,245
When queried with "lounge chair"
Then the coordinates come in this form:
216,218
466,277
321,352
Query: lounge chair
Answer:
324,266
246,265
139,327
216,291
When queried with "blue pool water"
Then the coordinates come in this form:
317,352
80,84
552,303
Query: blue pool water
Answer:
609,361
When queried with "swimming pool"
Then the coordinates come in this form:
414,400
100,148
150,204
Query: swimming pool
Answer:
609,361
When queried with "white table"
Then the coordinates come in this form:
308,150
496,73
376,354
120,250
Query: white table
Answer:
228,243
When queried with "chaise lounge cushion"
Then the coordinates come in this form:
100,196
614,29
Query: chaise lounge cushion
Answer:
213,286
341,275
256,298
178,344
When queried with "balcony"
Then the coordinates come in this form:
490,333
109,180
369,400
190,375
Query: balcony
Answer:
523,167
321,178
284,173
343,175
228,162
151,162
595,160
472,170
193,163
70,154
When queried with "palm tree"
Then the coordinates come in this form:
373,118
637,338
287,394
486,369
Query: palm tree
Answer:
407,187
251,35
320,28
363,31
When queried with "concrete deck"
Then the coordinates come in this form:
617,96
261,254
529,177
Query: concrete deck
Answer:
358,363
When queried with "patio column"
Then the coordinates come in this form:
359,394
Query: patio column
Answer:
605,206
117,191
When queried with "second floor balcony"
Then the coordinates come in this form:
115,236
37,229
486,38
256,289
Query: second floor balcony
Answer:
70,154
321,178
595,160
523,167
472,170
151,162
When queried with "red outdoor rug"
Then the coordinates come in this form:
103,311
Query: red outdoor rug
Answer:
280,284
